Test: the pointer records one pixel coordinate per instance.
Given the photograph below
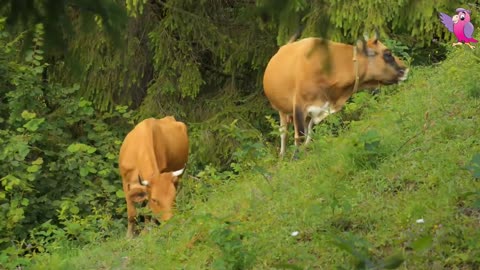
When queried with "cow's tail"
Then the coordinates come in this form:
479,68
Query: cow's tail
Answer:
297,34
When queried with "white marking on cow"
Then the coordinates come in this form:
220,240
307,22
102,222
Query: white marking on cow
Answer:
405,75
177,173
318,113
145,182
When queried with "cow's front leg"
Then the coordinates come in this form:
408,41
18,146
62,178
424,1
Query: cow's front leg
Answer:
299,124
132,218
309,131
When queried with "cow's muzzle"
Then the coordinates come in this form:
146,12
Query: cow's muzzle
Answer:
403,74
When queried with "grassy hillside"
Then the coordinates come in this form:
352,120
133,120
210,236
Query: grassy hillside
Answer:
355,197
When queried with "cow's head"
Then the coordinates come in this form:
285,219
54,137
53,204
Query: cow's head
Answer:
382,66
161,190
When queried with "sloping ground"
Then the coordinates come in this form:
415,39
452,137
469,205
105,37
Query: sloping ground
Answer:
393,183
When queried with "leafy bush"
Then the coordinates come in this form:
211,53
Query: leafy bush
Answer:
58,158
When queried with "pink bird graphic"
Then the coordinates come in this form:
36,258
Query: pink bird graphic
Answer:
460,25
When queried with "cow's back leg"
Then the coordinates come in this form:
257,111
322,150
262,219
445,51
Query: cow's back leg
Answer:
283,132
299,125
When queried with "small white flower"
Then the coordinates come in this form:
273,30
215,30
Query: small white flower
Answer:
420,220
295,233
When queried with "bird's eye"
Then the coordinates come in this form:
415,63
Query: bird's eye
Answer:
462,17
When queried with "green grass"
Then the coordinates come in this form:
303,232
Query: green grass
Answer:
353,198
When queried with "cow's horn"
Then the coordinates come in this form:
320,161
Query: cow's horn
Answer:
177,173
365,36
142,182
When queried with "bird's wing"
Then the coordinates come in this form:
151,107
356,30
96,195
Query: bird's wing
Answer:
468,30
447,21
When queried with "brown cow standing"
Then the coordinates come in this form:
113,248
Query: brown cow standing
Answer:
297,83
152,157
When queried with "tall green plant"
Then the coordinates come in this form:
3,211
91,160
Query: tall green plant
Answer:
58,159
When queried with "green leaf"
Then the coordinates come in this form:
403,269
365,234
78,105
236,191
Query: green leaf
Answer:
111,156
91,149
84,171
22,149
25,202
28,115
38,161
74,228
33,124
422,243
74,210
76,147
120,193
121,109
84,103
38,69
33,168
17,215
9,181
29,56
104,172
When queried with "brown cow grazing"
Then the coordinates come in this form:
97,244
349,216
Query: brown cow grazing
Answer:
297,82
152,157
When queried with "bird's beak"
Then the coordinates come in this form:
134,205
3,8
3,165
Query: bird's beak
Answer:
455,19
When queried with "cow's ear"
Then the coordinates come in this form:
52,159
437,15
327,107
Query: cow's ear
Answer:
362,46
365,37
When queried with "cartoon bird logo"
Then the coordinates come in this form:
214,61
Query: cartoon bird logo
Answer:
460,25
